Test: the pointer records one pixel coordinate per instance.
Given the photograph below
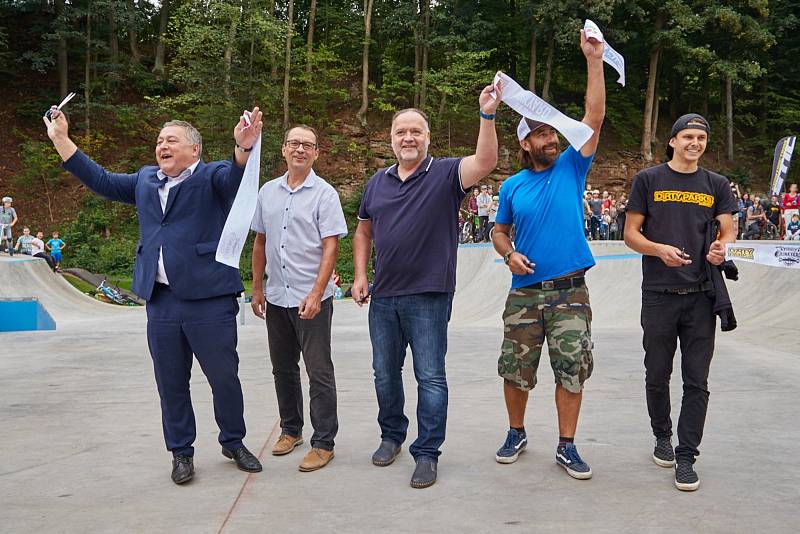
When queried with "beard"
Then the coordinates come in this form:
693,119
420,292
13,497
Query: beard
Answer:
543,158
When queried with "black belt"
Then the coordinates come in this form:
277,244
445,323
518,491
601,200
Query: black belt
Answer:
698,288
559,284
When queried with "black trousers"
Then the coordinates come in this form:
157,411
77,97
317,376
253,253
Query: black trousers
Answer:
483,232
666,319
288,336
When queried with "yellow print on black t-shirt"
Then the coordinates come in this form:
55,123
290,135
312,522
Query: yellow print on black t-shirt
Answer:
688,197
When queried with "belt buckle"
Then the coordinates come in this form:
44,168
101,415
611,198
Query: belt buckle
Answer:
548,285
683,291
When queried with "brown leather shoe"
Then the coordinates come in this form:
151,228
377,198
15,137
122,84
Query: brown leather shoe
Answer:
286,444
316,459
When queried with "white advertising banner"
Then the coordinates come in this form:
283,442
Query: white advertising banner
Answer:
776,254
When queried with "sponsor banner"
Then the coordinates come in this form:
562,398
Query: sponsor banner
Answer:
531,106
780,163
237,225
610,56
776,254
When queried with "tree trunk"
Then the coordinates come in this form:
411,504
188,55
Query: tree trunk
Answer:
228,56
654,128
647,129
273,59
706,91
532,75
63,66
312,15
113,41
288,65
362,111
133,36
426,29
417,60
158,68
548,73
87,92
729,115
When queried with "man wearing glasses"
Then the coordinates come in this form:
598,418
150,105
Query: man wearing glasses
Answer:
298,224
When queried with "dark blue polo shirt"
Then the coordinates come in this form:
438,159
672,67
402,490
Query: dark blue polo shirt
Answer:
415,227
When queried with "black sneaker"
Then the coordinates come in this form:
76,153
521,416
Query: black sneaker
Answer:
663,453
685,477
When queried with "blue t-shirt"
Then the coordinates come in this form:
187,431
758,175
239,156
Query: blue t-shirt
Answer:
546,209
55,245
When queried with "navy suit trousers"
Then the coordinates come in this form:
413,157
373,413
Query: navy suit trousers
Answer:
205,328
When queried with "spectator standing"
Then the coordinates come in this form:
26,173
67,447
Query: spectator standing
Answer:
622,206
8,218
472,208
484,205
492,214
744,205
774,214
605,224
55,246
596,205
755,219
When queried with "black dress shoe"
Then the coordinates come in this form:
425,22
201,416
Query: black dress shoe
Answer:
425,473
244,459
182,469
386,453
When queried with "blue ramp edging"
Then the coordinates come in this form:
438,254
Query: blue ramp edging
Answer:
19,315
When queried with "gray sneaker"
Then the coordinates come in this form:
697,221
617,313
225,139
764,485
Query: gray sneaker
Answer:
386,453
663,453
685,477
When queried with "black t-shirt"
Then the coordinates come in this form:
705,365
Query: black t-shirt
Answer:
677,209
596,206
774,214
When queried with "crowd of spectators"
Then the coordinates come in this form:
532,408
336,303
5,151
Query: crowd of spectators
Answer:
604,216
28,243
768,216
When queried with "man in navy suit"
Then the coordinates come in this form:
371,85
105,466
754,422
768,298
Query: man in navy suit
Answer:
182,205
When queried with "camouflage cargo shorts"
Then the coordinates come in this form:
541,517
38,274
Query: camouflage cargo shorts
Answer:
563,318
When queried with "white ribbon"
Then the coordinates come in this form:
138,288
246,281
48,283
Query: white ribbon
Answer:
773,254
237,225
610,56
531,106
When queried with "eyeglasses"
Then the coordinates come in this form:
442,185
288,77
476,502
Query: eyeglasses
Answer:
294,145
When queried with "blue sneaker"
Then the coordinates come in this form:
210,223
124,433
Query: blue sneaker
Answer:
568,458
511,449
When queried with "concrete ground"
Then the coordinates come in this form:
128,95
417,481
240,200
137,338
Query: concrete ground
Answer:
82,449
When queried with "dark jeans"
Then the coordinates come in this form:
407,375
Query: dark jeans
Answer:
483,234
206,328
421,322
288,336
594,226
49,259
667,318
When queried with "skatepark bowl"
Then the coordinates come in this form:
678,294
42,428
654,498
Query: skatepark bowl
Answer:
82,448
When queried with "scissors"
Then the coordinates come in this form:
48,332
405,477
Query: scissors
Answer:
61,105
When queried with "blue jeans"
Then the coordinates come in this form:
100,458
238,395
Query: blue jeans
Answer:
394,324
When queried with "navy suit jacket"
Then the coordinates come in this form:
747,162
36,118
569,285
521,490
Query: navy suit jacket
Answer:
188,229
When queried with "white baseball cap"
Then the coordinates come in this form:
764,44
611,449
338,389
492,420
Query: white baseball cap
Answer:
526,126
8,199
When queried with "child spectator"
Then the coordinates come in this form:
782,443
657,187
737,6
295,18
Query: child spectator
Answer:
55,246
793,229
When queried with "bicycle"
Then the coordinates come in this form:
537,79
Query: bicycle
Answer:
113,294
468,225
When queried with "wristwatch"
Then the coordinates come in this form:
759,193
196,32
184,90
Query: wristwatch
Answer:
507,255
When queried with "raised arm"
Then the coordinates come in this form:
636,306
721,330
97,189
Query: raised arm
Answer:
595,91
479,165
113,186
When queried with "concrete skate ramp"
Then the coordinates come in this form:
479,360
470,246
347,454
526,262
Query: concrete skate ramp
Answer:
26,277
761,297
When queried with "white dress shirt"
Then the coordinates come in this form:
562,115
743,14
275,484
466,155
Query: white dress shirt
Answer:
163,195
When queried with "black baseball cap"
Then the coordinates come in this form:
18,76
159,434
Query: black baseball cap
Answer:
694,121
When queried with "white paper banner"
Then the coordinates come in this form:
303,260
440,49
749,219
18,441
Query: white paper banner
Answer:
775,254
237,225
610,56
531,106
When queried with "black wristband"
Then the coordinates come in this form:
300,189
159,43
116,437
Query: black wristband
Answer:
243,149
